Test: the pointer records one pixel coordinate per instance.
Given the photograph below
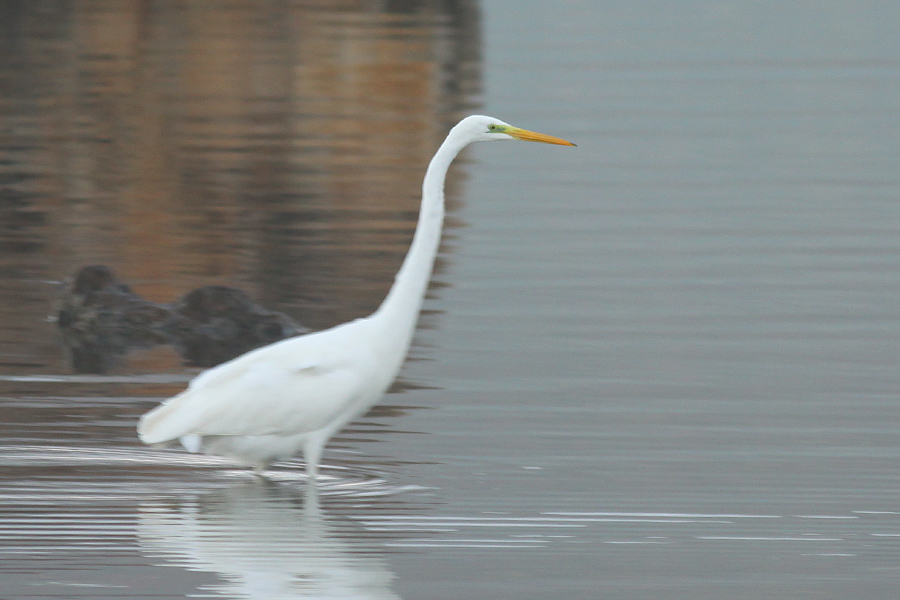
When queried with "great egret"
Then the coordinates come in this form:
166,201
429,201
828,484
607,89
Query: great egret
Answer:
293,395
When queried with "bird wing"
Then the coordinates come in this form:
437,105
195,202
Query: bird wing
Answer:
291,387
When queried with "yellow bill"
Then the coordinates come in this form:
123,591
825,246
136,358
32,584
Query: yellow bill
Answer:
531,136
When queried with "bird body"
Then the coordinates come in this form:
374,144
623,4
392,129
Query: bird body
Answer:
262,407
293,395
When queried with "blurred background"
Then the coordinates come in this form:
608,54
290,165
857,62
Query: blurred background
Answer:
277,147
663,364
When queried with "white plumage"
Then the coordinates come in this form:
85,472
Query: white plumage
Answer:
293,395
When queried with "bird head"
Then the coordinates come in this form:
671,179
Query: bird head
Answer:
479,128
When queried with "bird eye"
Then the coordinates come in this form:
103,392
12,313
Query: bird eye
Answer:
492,127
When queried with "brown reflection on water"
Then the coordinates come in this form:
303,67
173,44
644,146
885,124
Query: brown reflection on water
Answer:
273,146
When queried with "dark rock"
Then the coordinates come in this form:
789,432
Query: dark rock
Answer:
213,324
101,319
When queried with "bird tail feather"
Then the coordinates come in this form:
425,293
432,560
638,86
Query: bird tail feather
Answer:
161,424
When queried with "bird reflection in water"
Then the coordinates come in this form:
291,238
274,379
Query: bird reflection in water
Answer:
101,319
266,541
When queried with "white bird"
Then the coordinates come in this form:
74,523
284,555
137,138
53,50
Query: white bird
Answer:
292,396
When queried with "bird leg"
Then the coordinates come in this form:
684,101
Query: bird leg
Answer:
312,453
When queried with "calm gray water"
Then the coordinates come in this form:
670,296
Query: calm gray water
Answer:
663,364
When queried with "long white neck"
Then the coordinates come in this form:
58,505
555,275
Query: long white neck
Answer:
400,309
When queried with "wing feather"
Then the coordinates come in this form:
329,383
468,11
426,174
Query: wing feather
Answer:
294,386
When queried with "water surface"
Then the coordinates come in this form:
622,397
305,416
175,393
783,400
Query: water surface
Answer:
660,365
